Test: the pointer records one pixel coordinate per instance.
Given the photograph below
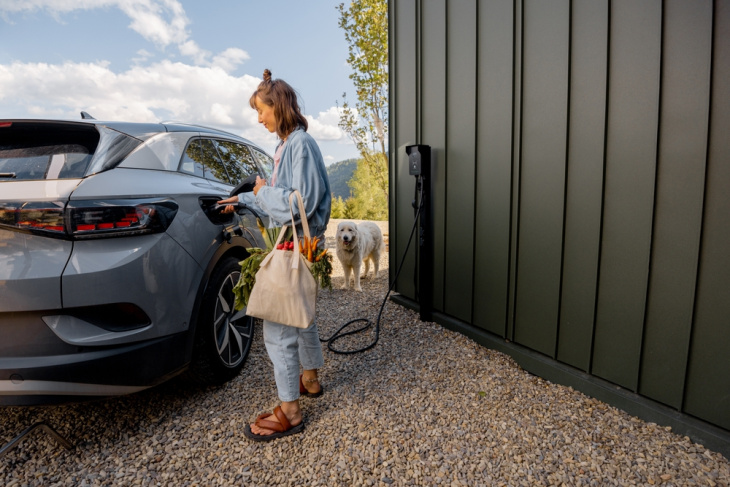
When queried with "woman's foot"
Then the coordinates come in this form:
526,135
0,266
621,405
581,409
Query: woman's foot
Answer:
310,386
286,420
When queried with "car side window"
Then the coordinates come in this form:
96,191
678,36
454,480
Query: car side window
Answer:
237,159
214,167
192,160
266,161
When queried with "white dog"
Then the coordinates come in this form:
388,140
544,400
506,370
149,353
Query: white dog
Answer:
358,243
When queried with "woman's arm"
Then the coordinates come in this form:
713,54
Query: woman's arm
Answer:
304,176
245,198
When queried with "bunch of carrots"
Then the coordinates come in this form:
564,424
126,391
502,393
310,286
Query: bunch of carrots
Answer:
307,246
320,261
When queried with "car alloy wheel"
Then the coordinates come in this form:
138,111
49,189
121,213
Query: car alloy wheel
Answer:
233,330
223,336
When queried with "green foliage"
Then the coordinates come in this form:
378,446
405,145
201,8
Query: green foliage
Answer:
365,24
338,208
322,270
249,266
367,202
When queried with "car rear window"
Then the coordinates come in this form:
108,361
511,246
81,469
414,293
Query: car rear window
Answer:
59,150
44,162
45,150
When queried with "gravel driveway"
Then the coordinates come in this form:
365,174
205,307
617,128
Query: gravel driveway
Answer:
426,406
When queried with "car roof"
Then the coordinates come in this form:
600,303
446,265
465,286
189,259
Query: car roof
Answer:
141,130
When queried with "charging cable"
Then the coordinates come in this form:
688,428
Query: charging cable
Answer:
339,334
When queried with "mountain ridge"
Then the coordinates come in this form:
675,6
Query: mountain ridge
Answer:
340,173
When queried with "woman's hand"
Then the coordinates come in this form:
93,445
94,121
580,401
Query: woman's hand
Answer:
260,183
229,208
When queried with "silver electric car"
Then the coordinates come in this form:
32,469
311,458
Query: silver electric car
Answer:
116,266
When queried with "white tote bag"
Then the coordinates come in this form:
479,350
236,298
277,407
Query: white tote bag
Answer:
285,291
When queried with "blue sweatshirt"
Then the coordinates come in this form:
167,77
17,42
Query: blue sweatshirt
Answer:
301,167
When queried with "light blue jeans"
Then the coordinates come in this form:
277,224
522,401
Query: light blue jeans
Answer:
288,347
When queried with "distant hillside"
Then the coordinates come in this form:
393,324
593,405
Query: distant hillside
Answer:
340,174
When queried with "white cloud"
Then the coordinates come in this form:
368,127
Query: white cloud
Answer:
331,116
324,127
143,93
161,22
142,56
230,58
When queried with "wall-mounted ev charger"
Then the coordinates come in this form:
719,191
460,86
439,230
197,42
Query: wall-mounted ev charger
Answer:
419,165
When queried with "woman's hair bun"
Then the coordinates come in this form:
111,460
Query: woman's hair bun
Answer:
267,75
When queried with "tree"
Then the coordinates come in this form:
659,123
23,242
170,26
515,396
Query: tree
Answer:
338,208
367,201
365,23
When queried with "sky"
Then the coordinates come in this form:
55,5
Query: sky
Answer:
183,60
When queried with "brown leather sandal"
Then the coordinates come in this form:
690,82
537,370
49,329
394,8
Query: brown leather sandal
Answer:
303,390
281,429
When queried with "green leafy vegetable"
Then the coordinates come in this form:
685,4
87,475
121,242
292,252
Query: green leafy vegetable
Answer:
249,266
322,270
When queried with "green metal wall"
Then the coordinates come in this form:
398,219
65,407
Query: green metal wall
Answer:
581,182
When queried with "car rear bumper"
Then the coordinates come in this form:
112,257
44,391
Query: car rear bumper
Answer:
89,373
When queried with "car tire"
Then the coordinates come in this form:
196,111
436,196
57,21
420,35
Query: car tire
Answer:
223,336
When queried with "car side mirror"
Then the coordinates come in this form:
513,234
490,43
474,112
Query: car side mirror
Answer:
244,186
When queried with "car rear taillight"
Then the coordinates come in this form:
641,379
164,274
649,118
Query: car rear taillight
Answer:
89,219
46,217
93,219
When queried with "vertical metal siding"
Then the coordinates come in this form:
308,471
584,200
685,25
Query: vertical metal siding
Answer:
433,123
584,187
631,147
461,30
582,182
514,209
494,165
707,393
403,100
545,68
684,119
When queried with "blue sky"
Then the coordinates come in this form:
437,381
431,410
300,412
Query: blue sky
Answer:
184,60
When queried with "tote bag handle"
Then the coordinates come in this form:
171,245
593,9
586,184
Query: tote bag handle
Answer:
305,228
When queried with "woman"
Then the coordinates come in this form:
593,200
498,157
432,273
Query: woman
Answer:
298,164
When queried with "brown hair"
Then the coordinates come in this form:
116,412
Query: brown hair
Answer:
283,98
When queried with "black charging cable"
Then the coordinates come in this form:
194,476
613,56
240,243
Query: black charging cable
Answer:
339,334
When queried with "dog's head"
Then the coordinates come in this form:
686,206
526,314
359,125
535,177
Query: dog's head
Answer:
346,234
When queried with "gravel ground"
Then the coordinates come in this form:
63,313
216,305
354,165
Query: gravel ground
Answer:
426,406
